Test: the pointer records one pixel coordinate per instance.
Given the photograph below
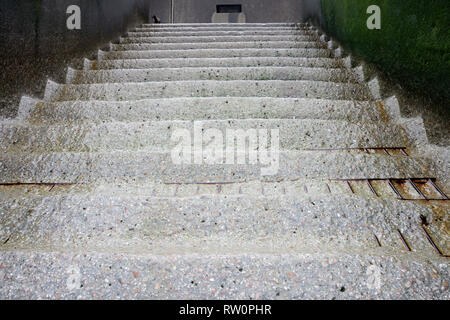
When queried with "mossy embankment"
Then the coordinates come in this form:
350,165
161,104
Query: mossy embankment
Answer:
413,45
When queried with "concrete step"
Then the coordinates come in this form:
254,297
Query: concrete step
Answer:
223,25
73,275
218,33
219,28
204,109
211,73
207,88
157,135
300,189
215,53
191,39
145,166
218,62
220,45
133,224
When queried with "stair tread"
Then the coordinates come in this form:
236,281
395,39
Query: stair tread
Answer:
200,109
217,53
220,45
295,134
139,166
246,276
217,62
212,73
190,39
202,88
265,223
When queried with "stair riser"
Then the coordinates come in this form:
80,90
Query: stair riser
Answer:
214,39
101,222
234,277
217,33
235,73
200,109
217,53
220,45
146,166
223,62
136,91
220,25
219,29
293,135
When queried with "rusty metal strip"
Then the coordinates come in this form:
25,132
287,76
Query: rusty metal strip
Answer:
390,180
371,187
380,179
200,183
385,149
411,182
404,240
350,186
378,240
431,241
438,189
32,184
38,184
6,241
395,190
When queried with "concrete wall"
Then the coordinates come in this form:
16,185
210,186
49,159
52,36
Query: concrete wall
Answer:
202,11
35,43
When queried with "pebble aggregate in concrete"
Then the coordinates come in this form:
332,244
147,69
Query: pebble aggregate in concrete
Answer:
216,62
217,53
157,135
200,109
137,226
145,166
28,275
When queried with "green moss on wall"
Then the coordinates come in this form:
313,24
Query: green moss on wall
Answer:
413,44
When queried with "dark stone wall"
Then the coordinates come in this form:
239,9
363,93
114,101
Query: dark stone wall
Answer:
35,43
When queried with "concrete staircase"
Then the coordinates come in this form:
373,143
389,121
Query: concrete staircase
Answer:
92,205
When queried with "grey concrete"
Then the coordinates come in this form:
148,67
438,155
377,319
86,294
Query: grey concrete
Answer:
156,136
146,166
219,62
200,109
191,39
218,45
199,73
217,53
133,224
262,224
236,276
207,88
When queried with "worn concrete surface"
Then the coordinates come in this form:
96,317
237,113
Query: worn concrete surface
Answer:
92,205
